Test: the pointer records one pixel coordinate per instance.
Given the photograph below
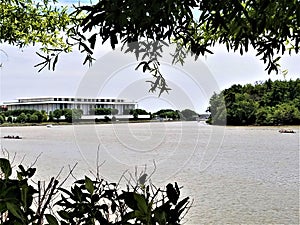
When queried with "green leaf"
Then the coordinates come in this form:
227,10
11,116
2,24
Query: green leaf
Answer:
51,219
89,185
63,214
160,216
5,167
15,210
141,203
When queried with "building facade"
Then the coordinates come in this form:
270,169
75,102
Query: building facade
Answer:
49,104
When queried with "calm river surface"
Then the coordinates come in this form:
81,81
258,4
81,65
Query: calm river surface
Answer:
235,175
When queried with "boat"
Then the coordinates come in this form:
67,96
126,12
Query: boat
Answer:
12,137
286,131
49,125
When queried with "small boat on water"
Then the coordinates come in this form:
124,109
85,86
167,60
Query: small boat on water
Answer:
49,125
287,131
12,137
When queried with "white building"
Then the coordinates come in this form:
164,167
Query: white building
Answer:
86,104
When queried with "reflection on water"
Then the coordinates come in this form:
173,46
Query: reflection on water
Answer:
234,174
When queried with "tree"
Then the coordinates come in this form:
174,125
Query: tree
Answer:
39,116
26,22
286,113
265,103
114,111
2,119
271,28
77,114
33,118
72,114
57,113
189,114
51,117
9,119
21,118
68,115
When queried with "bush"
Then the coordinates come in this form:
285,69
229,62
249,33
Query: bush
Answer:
2,119
72,114
9,119
51,117
33,118
22,118
89,201
57,113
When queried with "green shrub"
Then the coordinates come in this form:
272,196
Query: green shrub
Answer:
33,118
88,201
9,119
51,117
2,119
57,113
22,118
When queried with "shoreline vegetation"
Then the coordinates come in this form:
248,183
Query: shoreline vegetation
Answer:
62,123
269,103
29,117
264,103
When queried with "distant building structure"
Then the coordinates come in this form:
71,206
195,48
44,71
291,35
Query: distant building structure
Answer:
85,104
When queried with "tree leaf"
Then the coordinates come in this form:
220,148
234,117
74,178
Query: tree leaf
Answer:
89,185
51,219
141,203
5,167
15,210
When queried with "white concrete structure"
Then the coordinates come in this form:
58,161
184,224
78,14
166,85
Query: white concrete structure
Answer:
86,104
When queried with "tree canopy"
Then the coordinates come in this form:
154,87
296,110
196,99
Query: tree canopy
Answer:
270,27
265,103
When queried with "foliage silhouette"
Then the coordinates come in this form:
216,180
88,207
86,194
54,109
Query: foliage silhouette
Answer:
89,201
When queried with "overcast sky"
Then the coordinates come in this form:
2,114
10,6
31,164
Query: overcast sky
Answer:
19,77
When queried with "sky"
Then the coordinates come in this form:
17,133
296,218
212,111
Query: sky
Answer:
115,75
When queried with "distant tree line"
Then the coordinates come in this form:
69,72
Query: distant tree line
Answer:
186,114
35,116
265,103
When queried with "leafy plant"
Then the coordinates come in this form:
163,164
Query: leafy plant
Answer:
17,196
88,201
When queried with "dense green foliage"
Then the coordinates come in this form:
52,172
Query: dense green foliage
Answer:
2,119
27,22
34,116
271,28
72,115
189,114
88,201
57,113
186,114
17,112
265,103
136,112
198,24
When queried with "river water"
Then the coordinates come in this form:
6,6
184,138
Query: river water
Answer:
235,175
